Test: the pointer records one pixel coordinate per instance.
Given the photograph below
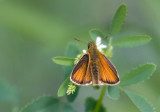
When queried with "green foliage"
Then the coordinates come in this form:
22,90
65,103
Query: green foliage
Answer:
131,41
138,75
118,19
140,102
36,25
63,61
114,92
47,104
134,76
90,104
63,88
94,33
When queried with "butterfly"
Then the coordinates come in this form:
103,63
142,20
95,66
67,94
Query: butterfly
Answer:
94,68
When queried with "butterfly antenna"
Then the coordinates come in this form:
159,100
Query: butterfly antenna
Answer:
79,40
104,37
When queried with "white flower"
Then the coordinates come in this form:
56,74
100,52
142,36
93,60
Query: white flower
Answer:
100,46
84,51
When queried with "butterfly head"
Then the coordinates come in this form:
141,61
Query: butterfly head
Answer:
91,45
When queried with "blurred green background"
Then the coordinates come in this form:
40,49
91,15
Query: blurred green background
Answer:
34,31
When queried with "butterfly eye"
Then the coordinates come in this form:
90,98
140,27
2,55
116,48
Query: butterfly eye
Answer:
88,46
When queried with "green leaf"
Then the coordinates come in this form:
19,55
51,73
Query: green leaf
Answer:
47,104
72,50
90,105
63,61
138,75
140,102
131,41
67,70
94,33
73,96
113,92
63,88
118,19
108,52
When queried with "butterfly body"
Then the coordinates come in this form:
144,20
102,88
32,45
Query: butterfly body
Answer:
94,68
93,62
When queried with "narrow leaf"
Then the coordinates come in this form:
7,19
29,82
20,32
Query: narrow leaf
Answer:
47,104
90,105
63,61
140,102
131,41
94,33
113,92
63,88
118,19
137,75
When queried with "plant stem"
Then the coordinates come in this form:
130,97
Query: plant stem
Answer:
98,104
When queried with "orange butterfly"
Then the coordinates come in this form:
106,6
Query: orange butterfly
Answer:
94,68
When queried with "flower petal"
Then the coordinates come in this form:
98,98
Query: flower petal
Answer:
84,51
103,46
98,41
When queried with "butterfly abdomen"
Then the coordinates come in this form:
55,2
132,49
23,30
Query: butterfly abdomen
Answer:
94,70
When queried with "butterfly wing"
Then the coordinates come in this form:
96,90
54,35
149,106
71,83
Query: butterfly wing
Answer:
81,74
107,72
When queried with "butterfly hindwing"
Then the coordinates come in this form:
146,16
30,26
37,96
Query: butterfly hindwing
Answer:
81,74
107,72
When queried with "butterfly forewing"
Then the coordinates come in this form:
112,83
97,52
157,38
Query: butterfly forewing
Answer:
81,73
107,72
